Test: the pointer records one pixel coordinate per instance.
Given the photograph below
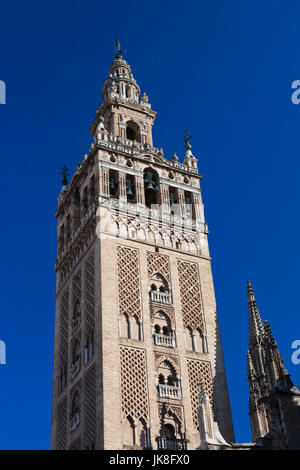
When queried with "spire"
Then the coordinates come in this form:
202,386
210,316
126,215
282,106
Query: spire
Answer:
256,326
121,83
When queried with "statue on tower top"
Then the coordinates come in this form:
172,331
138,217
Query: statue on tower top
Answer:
187,138
119,52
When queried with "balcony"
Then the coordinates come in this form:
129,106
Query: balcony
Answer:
164,340
75,421
167,443
161,297
169,391
75,368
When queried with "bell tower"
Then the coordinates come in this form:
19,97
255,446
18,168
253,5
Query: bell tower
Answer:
138,359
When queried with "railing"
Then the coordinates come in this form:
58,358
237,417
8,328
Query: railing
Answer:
75,368
171,443
75,421
164,340
161,297
169,391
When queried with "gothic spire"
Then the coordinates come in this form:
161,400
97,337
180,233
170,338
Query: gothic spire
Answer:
256,326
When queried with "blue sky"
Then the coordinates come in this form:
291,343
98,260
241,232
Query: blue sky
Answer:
221,69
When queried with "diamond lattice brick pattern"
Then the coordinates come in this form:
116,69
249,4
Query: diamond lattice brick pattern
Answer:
129,282
158,263
134,390
190,294
199,373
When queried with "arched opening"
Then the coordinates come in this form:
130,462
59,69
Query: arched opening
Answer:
168,431
199,341
189,206
173,198
151,186
130,188
129,434
113,183
135,328
167,374
133,131
189,339
141,434
125,326
162,324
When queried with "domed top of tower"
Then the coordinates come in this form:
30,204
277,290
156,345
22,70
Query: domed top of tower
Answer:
120,83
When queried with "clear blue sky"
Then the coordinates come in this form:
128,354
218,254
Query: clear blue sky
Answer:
221,69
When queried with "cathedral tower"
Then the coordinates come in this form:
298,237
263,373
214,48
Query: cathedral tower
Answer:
274,405
138,359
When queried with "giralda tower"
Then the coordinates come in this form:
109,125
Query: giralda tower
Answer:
138,359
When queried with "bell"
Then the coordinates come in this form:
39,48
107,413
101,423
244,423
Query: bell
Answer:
129,188
151,185
112,184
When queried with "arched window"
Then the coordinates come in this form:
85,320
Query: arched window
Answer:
125,326
113,183
141,434
162,324
199,341
130,188
128,432
161,379
189,339
168,431
189,206
135,328
151,186
167,374
133,131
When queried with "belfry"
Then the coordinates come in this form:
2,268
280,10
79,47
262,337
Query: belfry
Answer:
138,358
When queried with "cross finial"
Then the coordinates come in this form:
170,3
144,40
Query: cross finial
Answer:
187,138
65,173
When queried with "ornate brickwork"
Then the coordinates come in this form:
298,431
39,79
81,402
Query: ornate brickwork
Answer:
90,295
189,283
64,330
134,389
199,373
173,360
129,282
90,408
158,263
168,311
76,292
173,409
61,426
